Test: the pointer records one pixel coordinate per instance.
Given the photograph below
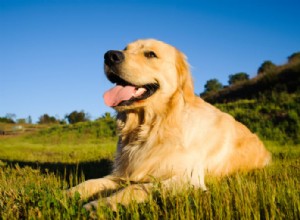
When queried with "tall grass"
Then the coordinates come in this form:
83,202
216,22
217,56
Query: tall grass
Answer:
37,168
271,193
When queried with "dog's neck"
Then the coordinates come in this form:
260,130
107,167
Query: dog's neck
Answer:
143,131
131,121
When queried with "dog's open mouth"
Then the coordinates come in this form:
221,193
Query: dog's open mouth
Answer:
125,93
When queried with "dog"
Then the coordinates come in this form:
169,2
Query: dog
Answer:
166,132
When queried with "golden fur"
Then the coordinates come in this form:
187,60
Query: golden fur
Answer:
173,136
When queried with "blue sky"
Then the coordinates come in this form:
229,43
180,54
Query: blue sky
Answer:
51,51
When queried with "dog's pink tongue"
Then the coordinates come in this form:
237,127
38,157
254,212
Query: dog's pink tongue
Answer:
118,94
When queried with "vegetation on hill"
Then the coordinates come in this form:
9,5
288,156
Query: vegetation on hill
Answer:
279,79
6,120
77,133
274,117
269,104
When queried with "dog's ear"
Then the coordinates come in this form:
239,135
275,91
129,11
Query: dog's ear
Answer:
184,77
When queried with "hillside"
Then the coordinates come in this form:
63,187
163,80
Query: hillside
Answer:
283,79
268,104
85,141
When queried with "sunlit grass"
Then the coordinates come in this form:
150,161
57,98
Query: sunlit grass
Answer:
271,193
37,168
64,144
22,150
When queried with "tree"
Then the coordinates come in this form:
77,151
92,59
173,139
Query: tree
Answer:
294,57
46,119
29,120
212,85
21,121
238,77
266,67
6,120
76,117
11,116
107,116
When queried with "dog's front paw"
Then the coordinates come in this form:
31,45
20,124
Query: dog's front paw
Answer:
72,193
105,202
91,206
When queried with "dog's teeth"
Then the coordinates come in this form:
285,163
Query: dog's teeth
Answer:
139,92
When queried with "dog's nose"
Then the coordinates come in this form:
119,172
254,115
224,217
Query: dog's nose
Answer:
112,57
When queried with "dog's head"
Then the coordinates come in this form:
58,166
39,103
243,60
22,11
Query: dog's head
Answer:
146,72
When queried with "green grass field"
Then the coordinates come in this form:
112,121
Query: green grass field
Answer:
36,168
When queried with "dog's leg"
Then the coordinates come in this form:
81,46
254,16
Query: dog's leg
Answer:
92,187
136,192
140,192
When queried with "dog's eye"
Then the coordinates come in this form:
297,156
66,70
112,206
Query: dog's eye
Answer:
150,54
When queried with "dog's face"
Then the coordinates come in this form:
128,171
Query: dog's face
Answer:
146,72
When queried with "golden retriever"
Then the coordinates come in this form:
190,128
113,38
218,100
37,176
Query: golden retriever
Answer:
166,133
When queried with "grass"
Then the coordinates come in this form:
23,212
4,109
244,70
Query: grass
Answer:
65,144
17,148
35,170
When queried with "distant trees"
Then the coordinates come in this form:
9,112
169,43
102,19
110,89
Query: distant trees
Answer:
11,116
266,67
29,120
238,77
72,118
294,57
46,119
212,85
12,119
6,120
21,121
107,116
76,117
